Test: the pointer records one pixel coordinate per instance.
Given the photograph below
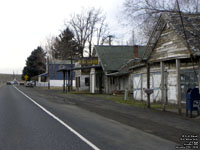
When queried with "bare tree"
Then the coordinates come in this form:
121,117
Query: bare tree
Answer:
143,14
85,25
102,31
49,46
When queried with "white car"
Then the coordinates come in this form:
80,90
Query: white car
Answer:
30,84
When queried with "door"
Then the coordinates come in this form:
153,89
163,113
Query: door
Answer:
137,87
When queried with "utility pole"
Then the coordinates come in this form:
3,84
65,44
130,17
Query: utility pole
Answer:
71,75
48,72
110,39
162,85
148,85
178,85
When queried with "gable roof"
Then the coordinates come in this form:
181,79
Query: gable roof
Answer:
191,25
112,58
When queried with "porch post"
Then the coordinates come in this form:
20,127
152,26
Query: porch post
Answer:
100,83
162,85
68,79
148,85
93,80
63,81
178,86
39,78
141,84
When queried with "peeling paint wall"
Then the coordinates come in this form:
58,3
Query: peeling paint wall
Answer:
139,78
140,82
169,45
171,86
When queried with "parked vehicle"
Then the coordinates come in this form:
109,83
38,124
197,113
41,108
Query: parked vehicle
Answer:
15,82
21,83
30,84
9,83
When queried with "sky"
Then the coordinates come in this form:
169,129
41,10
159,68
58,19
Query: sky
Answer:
26,24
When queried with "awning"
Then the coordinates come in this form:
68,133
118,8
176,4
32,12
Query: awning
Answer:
43,74
79,68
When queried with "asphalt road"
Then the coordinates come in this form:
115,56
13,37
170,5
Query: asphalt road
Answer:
29,121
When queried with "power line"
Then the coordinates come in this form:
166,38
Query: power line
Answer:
186,39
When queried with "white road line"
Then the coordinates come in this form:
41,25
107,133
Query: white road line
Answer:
59,120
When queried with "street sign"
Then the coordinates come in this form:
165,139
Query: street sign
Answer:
88,61
26,77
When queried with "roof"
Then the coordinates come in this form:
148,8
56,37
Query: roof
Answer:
191,25
113,57
44,74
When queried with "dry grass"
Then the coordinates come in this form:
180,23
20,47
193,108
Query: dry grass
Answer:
130,101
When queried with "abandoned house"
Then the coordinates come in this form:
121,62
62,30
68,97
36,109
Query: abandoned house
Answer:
82,72
167,55
110,78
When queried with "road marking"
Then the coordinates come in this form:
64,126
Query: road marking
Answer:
59,120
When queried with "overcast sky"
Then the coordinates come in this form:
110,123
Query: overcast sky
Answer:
25,24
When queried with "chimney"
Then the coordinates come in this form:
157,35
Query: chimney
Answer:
135,51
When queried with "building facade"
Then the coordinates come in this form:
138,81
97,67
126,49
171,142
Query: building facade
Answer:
173,60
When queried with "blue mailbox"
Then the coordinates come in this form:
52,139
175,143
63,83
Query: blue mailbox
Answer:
192,101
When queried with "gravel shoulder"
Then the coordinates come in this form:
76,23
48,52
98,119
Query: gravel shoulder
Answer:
166,125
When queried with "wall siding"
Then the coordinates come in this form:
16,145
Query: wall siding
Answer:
155,80
169,45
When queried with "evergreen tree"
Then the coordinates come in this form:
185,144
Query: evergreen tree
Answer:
65,46
35,63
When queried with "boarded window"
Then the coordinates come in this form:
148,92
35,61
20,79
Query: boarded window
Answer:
188,80
112,80
87,81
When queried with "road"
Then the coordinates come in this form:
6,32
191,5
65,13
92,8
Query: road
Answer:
32,122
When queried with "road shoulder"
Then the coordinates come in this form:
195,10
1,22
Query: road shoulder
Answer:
162,124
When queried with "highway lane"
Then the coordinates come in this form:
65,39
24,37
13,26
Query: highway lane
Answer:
23,125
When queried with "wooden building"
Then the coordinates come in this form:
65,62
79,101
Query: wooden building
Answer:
113,77
82,72
172,55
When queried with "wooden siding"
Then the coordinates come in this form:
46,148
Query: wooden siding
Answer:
169,46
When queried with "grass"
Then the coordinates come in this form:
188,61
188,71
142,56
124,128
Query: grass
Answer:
120,99
117,99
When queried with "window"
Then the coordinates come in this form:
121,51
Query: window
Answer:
112,80
87,81
188,80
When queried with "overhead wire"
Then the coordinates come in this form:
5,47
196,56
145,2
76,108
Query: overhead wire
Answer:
187,43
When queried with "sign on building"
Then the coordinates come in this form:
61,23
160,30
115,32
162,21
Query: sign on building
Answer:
88,61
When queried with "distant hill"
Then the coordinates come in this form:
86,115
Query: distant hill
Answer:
9,77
